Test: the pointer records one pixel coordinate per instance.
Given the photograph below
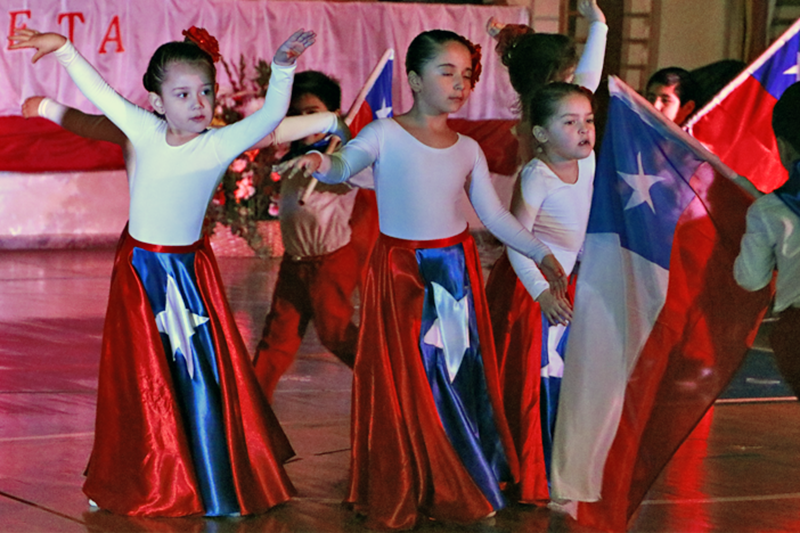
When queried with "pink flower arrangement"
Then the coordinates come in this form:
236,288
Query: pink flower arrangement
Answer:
244,197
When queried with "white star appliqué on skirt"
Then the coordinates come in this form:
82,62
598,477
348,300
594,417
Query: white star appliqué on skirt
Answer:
179,323
450,330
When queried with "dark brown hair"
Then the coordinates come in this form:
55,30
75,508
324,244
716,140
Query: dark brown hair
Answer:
678,78
534,59
426,45
175,52
544,102
786,116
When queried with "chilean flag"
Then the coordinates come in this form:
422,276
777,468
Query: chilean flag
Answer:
375,98
737,124
659,325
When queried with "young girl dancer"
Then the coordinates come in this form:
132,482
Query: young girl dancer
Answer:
535,60
429,439
553,199
182,427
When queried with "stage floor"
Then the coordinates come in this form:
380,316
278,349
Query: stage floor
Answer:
739,472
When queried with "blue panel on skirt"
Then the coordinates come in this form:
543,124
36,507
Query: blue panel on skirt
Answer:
549,391
171,286
461,396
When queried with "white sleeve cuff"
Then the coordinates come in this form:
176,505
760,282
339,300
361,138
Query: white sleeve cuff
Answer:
52,110
66,54
325,166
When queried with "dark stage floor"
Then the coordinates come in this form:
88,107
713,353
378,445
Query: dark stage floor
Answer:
740,471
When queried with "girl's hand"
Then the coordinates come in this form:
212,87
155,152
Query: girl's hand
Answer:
43,42
554,273
557,310
591,11
294,46
306,164
30,108
493,27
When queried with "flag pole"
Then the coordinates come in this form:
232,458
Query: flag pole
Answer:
738,80
351,114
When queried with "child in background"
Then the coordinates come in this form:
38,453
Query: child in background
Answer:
552,198
772,241
535,59
182,427
322,265
672,91
428,435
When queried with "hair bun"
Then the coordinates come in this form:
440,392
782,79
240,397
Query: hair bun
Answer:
508,38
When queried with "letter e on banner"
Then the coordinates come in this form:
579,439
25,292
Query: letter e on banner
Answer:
13,26
71,17
116,38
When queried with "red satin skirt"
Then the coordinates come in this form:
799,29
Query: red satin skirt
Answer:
403,467
517,326
140,462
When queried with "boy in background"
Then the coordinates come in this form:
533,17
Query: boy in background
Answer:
327,242
671,91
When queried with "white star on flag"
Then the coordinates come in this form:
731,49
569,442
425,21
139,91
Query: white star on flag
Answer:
794,69
641,184
179,323
450,330
384,111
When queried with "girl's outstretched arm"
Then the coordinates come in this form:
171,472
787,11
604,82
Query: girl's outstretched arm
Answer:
238,137
127,116
300,126
338,167
505,227
96,127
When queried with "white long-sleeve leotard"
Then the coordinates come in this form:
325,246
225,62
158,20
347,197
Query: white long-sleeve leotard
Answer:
418,187
171,186
590,67
557,212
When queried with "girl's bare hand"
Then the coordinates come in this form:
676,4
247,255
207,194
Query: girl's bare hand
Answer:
30,108
294,46
43,42
591,11
554,273
305,164
557,310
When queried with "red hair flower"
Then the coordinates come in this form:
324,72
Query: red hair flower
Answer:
204,40
475,53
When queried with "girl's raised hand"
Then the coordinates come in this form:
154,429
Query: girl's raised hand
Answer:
494,26
556,310
43,42
591,11
294,46
554,273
